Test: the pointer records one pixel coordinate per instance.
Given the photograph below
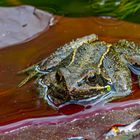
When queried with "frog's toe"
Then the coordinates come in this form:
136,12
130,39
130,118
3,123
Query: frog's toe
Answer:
134,68
32,72
31,75
28,70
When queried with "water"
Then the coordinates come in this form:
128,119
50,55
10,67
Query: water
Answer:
24,103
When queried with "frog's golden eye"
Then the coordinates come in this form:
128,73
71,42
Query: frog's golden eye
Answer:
58,77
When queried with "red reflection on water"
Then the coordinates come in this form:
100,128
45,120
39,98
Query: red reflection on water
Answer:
71,109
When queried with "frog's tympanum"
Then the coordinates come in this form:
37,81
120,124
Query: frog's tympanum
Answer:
86,70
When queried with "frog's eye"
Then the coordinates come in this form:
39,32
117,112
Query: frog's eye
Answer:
58,77
92,78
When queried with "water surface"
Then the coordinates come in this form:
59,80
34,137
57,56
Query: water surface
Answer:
22,103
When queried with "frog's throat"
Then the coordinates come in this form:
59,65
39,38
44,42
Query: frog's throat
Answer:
102,58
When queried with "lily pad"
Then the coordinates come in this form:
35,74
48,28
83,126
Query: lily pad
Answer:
22,23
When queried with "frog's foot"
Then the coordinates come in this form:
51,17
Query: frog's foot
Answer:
31,75
134,68
28,70
32,71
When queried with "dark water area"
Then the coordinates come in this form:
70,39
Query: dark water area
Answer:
24,103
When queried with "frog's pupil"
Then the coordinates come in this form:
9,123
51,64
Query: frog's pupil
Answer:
92,78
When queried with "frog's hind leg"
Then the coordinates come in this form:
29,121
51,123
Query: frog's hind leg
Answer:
28,70
134,68
31,71
31,75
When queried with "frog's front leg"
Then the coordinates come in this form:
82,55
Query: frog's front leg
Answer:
54,60
44,93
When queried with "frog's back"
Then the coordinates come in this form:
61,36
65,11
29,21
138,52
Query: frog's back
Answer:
127,47
88,55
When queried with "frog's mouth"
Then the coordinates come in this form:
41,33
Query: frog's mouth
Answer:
94,100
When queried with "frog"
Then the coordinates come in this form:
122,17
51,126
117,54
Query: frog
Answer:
86,70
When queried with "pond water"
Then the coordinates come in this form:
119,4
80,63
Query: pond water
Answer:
21,103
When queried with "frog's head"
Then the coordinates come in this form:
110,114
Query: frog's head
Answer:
75,84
